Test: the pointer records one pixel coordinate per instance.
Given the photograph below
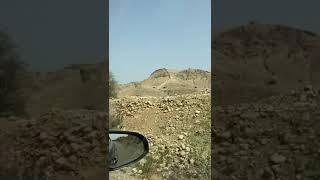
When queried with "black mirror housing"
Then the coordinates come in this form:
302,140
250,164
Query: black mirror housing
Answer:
125,148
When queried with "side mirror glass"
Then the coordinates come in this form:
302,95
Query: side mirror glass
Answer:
126,148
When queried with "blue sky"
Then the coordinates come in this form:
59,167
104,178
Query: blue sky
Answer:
145,35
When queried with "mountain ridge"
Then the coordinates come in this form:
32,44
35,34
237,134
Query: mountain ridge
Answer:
165,81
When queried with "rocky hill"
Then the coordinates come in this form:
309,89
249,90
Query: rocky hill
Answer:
259,60
266,103
74,87
164,82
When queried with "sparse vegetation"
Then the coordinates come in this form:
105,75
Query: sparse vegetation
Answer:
313,169
84,75
152,163
115,121
11,99
112,86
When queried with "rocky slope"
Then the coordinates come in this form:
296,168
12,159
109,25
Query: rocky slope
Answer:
178,130
260,60
163,82
266,103
275,138
74,87
57,145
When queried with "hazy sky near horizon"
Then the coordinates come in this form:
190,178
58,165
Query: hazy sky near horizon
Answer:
294,13
147,35
53,34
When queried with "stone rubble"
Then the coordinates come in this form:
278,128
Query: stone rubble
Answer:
269,139
172,155
61,142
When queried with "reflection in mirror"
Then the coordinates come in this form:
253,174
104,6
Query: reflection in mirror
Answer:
125,149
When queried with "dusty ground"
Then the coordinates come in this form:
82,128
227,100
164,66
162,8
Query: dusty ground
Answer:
178,130
275,138
58,145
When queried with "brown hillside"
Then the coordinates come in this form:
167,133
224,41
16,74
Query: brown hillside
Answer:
258,60
163,82
74,87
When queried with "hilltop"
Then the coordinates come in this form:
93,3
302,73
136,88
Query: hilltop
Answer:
163,82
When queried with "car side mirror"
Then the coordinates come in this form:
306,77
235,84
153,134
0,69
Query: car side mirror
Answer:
125,148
